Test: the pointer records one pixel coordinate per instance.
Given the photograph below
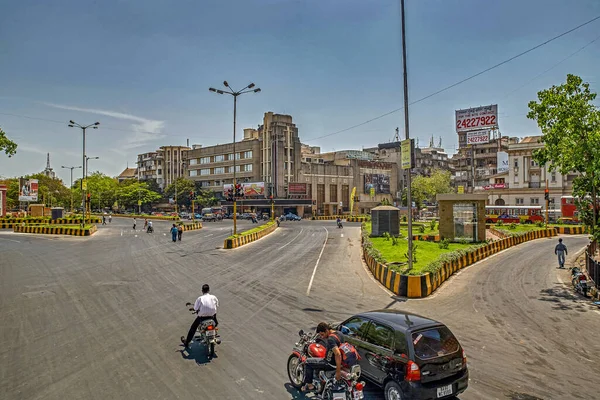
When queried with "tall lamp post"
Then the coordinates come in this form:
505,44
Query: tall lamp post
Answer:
71,187
87,159
235,94
73,124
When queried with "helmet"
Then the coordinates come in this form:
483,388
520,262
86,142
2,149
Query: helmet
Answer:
317,350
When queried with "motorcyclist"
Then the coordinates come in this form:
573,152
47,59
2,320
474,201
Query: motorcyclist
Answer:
332,360
150,228
206,309
339,222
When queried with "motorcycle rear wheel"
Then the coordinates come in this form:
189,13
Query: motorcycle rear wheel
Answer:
211,350
295,371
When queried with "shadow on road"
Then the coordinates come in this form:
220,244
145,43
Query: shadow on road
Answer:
564,299
395,299
197,353
296,393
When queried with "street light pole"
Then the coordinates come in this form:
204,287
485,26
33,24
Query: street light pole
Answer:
87,159
406,130
235,94
73,124
71,187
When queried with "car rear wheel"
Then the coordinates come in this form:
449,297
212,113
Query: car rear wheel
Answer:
392,391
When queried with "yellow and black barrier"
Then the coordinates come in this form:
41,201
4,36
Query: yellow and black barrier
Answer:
571,230
192,227
416,286
142,217
360,218
427,238
232,243
55,230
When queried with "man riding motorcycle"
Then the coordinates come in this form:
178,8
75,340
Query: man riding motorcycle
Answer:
206,308
333,356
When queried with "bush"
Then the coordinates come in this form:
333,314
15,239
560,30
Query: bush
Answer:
421,228
499,223
414,253
539,224
512,226
395,241
387,236
432,225
404,218
444,244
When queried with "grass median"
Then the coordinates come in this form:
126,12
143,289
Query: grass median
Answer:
393,252
253,230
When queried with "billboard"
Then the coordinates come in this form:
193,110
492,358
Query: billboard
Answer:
477,118
502,158
478,137
28,189
406,154
251,189
297,188
378,182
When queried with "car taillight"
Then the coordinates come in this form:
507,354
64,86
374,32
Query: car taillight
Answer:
413,373
360,386
464,363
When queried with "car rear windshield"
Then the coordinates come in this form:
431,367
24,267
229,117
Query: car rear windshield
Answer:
434,342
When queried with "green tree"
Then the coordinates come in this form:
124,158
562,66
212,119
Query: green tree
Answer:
570,125
205,198
128,195
102,188
184,187
8,146
427,187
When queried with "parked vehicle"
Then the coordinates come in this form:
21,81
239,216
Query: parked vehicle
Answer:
579,281
207,333
409,356
292,217
349,388
207,215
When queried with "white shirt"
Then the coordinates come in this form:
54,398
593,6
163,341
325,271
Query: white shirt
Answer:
206,305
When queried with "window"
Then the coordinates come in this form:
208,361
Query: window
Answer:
516,163
520,201
247,154
534,200
204,183
193,161
355,327
247,168
205,171
380,335
219,158
205,160
193,172
553,177
230,156
219,170
159,171
333,193
516,178
434,343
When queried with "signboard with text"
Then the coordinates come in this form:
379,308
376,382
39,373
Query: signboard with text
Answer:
477,118
377,182
28,189
251,189
297,188
496,186
502,161
406,152
478,137
461,189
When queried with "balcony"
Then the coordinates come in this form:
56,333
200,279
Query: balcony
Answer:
535,185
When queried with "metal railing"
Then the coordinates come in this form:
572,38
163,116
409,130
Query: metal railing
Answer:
591,264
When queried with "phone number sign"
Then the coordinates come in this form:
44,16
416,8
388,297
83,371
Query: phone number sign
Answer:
477,118
478,137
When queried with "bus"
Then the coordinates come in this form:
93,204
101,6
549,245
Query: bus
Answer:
516,214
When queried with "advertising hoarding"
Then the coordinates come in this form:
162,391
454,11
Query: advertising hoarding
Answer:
406,152
28,189
251,189
378,182
477,118
297,188
502,159
478,137
496,186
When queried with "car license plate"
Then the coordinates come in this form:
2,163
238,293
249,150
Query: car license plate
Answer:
444,391
210,333
358,395
339,396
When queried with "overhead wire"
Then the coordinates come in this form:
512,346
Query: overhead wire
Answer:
461,81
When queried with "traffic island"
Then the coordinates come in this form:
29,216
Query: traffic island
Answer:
144,216
423,282
70,230
250,236
348,218
9,223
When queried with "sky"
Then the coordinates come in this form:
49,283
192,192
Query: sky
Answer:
143,69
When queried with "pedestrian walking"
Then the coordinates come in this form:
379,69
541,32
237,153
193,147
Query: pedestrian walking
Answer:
561,251
174,233
145,223
104,220
179,231
134,223
109,218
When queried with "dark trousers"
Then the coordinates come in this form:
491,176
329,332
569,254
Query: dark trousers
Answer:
196,324
179,233
315,364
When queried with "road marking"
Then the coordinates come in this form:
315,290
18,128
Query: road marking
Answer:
292,239
209,235
342,235
317,264
10,240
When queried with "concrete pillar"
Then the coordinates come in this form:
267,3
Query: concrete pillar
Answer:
3,190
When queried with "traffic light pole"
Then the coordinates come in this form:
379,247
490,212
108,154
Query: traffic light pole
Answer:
234,157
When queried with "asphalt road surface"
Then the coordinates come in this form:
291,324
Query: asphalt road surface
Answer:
101,317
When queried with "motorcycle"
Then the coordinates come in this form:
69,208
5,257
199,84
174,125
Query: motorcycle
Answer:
206,334
339,224
579,281
326,386
150,229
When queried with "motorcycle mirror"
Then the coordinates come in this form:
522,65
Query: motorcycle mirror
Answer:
188,304
301,332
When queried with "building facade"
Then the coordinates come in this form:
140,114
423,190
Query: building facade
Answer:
164,165
150,166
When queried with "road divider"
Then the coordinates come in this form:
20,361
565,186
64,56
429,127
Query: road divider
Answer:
427,238
359,218
142,216
250,236
9,223
56,230
192,227
418,286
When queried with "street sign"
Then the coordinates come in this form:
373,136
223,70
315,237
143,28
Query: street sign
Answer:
406,154
478,137
461,189
477,118
84,184
372,192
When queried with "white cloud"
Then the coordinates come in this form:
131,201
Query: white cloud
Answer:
143,130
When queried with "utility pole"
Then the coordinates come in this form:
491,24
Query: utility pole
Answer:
73,124
71,187
406,130
547,198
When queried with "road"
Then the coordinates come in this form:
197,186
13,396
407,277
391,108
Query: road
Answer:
101,317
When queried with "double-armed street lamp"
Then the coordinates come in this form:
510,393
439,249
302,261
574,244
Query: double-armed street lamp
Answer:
73,124
71,187
235,94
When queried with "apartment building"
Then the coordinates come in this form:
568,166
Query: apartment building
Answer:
150,166
164,165
525,181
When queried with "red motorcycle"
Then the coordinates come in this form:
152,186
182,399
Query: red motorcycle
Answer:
326,387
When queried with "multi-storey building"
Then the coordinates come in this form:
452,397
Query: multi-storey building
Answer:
525,181
150,166
164,165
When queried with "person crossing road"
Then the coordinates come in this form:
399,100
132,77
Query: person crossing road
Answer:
561,251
